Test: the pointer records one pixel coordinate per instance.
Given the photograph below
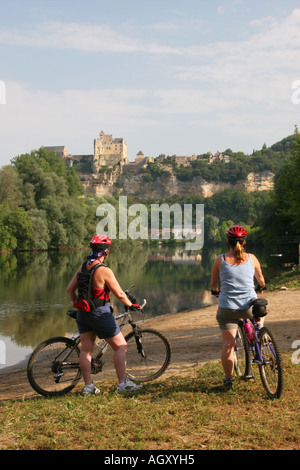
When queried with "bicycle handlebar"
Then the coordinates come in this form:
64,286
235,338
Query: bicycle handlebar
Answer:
260,289
128,289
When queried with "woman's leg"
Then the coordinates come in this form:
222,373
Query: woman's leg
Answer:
119,347
227,357
85,358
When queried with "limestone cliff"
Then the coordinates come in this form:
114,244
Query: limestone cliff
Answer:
114,182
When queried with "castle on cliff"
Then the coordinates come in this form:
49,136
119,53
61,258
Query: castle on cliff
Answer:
110,152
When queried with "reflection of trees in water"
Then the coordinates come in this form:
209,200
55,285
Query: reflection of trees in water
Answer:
127,262
33,293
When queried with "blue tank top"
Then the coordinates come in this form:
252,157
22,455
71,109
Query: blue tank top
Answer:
236,285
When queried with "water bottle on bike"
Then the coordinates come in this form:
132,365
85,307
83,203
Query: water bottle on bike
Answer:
249,332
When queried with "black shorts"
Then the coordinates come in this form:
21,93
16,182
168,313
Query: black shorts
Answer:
100,321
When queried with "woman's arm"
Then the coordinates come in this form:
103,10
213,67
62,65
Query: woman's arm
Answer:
258,271
72,287
215,274
114,287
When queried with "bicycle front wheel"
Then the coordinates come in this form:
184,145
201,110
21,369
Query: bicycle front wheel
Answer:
148,355
53,367
271,369
242,356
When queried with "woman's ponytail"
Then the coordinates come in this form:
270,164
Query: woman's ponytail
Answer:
236,238
239,251
238,247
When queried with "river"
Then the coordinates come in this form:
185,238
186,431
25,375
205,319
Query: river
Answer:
34,299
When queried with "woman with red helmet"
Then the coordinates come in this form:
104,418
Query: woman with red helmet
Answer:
234,272
100,321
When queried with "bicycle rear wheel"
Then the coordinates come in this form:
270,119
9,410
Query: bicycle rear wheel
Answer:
53,367
271,369
148,355
242,355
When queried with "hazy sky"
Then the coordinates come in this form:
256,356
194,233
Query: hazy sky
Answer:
173,77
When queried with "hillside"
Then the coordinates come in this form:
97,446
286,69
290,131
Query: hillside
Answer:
43,203
203,175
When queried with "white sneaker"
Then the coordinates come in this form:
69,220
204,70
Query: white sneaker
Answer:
90,390
128,386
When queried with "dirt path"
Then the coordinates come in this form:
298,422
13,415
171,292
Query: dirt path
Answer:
194,336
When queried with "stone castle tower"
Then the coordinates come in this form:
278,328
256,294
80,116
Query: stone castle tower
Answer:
109,151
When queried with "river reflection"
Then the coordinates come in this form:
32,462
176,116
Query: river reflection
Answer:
34,299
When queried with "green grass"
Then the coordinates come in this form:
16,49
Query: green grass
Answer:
289,279
176,413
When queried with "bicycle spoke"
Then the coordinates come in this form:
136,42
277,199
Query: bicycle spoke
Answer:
53,368
149,359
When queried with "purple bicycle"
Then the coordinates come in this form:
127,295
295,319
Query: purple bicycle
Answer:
257,345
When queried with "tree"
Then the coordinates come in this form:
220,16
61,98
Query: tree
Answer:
40,238
280,214
287,190
15,228
210,229
43,161
74,183
50,195
10,184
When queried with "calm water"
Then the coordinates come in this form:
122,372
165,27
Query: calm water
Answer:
34,299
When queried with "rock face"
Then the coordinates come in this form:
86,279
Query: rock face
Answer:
263,181
113,182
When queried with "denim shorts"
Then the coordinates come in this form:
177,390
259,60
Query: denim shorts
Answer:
100,321
228,318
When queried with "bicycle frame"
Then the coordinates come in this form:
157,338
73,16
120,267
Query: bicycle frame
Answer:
257,358
124,317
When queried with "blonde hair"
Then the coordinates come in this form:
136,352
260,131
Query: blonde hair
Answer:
239,249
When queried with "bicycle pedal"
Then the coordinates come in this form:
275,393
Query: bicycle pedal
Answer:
58,377
247,377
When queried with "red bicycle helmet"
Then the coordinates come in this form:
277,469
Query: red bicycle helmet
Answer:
100,240
236,231
99,244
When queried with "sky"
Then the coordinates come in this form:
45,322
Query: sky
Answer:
172,77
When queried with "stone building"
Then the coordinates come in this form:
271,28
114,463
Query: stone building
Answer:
60,150
109,151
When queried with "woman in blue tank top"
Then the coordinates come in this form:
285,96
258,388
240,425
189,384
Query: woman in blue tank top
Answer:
234,272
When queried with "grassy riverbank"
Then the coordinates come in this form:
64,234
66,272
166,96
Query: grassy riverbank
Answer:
289,279
180,412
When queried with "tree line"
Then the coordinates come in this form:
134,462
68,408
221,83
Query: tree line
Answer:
42,202
237,169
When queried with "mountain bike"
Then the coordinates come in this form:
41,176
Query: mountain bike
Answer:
263,351
53,367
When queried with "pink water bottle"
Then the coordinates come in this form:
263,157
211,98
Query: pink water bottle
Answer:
249,332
